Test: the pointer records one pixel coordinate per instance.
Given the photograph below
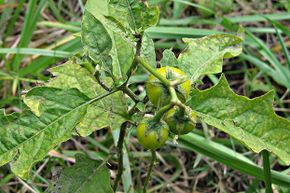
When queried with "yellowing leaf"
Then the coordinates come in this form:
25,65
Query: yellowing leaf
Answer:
251,121
133,14
107,46
107,112
205,55
30,137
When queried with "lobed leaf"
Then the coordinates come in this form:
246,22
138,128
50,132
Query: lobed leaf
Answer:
169,59
108,112
72,75
148,50
67,102
251,121
132,14
84,177
205,55
117,22
28,137
107,46
98,49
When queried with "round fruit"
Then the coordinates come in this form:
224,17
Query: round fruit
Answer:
159,94
179,122
152,135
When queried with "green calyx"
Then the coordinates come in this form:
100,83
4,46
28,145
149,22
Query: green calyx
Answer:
180,121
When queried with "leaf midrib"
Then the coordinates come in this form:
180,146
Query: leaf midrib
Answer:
266,146
131,14
95,38
55,121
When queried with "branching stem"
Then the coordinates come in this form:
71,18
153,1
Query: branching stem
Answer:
120,156
130,93
124,126
174,99
103,85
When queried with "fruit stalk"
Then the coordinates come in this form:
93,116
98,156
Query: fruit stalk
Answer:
153,71
153,158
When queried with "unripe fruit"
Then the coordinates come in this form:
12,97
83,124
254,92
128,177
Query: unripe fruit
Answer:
152,135
158,93
180,123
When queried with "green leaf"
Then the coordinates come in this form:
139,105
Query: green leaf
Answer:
148,50
205,55
86,176
132,14
30,136
72,75
107,45
98,49
108,112
251,121
135,13
169,59
123,54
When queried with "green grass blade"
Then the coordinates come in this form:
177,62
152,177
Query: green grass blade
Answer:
14,18
230,158
126,176
4,16
267,30
258,17
178,32
267,171
281,27
154,32
283,45
43,62
276,75
270,56
29,26
55,10
59,25
35,51
186,21
237,19
177,9
195,5
262,65
81,5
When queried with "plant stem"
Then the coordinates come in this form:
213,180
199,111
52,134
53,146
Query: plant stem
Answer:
267,171
173,94
137,54
153,71
130,93
89,67
103,85
120,152
174,98
174,101
149,170
161,111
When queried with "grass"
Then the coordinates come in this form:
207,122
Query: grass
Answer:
39,34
